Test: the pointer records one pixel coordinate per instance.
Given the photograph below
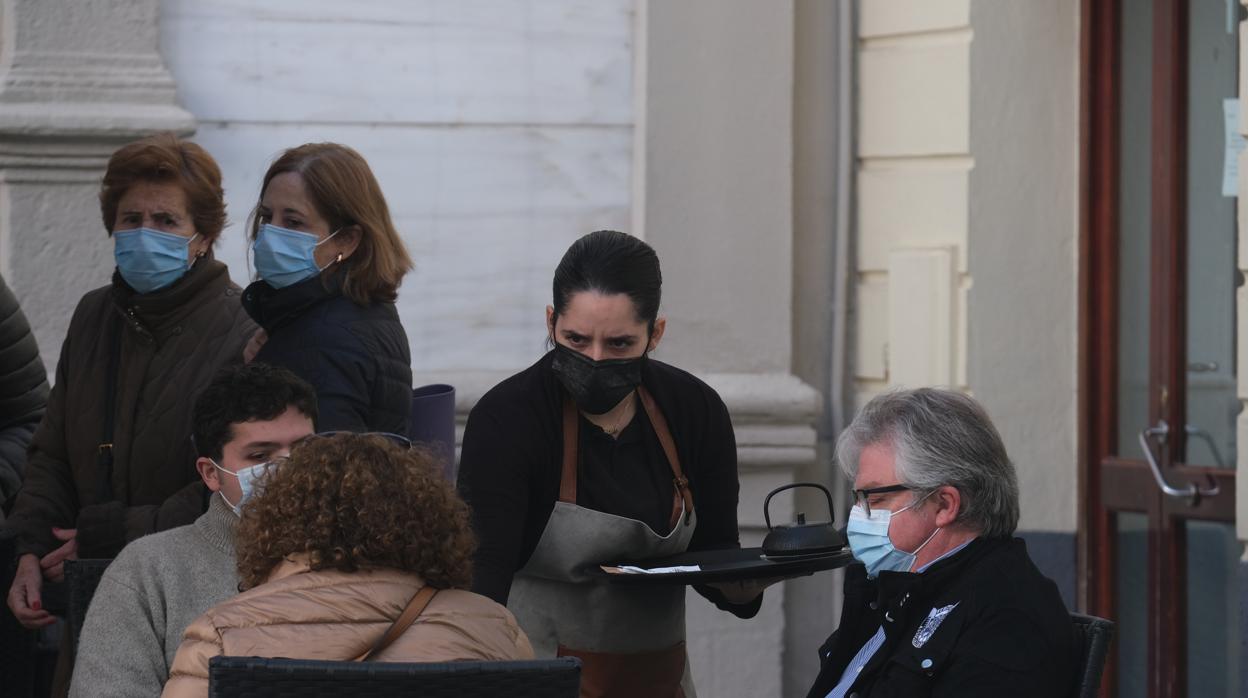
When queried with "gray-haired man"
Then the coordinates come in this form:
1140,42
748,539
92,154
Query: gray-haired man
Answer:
946,602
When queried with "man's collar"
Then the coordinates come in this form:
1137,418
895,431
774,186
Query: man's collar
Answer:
947,554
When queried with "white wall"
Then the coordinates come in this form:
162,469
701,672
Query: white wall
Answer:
967,268
1023,243
500,132
912,203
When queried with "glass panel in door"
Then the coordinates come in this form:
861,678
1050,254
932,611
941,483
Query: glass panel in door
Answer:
1213,551
1134,238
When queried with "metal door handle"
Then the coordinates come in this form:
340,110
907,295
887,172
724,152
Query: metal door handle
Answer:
1161,431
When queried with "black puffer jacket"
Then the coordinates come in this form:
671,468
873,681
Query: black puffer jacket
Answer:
23,391
982,622
356,357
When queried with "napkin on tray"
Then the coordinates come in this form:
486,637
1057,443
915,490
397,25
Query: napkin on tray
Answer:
629,569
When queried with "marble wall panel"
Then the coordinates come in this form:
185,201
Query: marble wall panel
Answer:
378,61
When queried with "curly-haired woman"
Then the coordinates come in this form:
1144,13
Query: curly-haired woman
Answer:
341,537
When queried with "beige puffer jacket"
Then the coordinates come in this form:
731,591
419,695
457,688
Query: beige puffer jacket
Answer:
335,615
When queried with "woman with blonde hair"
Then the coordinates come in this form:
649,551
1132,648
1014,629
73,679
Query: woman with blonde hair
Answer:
339,540
329,263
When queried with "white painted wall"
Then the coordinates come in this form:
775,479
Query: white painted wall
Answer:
966,255
500,132
1023,244
914,136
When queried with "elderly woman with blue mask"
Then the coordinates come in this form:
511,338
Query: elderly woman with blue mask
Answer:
112,459
329,263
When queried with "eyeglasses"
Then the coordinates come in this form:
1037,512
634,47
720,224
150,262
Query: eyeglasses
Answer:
862,497
397,439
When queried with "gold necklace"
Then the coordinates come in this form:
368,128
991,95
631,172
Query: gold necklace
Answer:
629,410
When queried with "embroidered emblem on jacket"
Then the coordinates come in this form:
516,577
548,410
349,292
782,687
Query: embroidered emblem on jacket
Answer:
929,624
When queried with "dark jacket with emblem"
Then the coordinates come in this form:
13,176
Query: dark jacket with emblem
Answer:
355,356
170,344
1008,633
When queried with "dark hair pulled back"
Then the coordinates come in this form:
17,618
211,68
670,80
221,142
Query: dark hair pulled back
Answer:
611,262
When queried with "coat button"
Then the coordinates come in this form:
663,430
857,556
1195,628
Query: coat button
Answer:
926,664
874,606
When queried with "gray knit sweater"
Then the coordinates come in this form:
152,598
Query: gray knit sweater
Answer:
154,589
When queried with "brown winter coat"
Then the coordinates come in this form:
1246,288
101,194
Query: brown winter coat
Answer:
172,342
335,615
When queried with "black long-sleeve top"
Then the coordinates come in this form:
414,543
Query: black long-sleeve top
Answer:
512,456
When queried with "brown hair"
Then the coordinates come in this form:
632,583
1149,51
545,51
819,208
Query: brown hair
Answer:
166,158
352,501
345,193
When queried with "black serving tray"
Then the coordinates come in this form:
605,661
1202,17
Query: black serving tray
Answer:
730,565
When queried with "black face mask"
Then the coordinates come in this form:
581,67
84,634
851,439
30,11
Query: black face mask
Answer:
595,386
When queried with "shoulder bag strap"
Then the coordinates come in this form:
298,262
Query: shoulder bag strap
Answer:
104,452
414,608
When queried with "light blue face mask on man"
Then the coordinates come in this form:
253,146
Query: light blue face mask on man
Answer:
150,260
869,541
284,257
247,479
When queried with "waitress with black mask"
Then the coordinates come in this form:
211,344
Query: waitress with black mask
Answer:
598,453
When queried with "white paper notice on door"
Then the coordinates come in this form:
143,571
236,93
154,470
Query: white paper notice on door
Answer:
1234,145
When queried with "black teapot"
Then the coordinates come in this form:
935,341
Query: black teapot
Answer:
801,539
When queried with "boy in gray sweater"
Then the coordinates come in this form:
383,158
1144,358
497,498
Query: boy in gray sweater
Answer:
247,417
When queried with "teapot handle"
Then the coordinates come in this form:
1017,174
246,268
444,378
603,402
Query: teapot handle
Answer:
767,501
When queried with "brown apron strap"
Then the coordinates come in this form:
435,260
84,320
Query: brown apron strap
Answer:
567,477
659,422
571,428
414,608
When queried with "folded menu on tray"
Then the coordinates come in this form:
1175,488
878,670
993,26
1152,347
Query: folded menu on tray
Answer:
629,569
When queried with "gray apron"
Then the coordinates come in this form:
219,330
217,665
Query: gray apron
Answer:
630,639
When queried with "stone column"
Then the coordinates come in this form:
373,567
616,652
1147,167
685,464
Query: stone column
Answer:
78,78
713,192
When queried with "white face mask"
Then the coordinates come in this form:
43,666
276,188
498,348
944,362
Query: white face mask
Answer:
247,479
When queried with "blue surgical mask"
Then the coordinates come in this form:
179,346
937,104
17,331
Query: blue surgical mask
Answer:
150,260
869,541
247,479
284,257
